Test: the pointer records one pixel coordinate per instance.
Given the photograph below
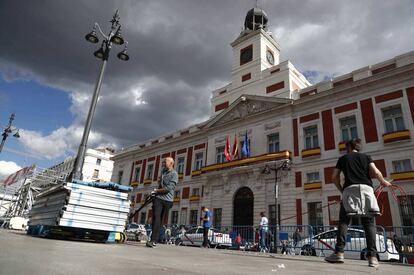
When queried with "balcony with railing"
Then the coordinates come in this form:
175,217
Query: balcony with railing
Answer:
396,136
315,185
403,176
246,161
311,152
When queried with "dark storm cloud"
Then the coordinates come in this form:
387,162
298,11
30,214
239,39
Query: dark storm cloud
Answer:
180,51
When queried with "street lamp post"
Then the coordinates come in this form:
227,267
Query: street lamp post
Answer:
285,165
8,130
114,37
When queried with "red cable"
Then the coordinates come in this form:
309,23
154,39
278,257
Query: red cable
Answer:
394,189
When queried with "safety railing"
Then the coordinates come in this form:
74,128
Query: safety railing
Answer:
392,243
403,242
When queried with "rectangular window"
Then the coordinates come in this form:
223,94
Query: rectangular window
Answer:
195,192
142,218
95,173
402,165
183,217
198,161
120,174
217,218
348,128
220,154
315,216
407,211
193,217
98,161
273,143
180,165
150,171
272,212
311,137
137,174
312,177
174,217
176,193
393,119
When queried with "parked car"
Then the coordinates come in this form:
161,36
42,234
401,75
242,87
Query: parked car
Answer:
136,232
355,247
194,237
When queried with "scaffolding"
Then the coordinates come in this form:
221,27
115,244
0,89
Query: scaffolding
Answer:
23,193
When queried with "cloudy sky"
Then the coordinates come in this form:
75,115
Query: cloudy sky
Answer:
179,53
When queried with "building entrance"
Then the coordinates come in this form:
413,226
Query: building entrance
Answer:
243,207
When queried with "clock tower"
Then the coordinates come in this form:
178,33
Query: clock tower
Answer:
254,50
256,68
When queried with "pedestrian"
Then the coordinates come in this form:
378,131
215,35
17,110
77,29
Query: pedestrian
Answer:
257,238
163,200
296,237
398,246
168,235
238,241
206,221
357,169
182,230
263,227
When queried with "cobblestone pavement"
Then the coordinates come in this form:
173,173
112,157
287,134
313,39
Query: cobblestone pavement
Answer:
22,254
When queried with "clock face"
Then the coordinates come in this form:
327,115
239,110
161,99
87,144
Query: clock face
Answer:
270,57
246,55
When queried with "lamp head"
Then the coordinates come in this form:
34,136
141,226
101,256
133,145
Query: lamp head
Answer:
266,170
92,37
286,165
117,38
99,53
17,135
123,55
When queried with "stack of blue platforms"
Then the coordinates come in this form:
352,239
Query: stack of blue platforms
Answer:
81,205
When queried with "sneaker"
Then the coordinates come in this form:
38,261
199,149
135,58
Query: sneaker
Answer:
150,244
335,258
373,262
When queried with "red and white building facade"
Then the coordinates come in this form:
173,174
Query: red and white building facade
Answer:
285,117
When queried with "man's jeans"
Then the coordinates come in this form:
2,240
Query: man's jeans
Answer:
160,209
370,233
205,236
263,233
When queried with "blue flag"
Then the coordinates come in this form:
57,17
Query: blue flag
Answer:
246,146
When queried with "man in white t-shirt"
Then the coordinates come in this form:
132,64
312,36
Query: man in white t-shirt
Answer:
263,227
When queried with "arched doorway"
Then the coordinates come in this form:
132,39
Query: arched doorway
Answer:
243,207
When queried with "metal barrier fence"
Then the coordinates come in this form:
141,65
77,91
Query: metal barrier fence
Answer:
392,243
403,242
355,245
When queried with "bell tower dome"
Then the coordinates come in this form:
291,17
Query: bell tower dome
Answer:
254,50
255,19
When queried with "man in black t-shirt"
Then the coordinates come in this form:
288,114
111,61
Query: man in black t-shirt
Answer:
357,169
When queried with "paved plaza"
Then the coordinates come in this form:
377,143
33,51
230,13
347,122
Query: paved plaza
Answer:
22,254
